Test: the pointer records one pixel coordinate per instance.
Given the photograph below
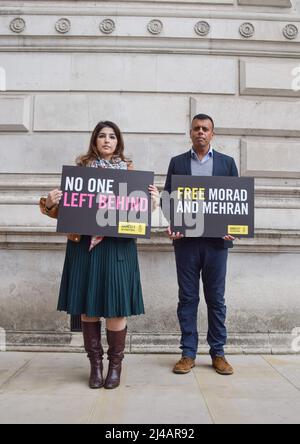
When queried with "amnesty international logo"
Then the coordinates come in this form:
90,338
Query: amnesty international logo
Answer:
132,228
238,229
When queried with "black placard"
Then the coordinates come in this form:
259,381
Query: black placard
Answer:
105,202
212,206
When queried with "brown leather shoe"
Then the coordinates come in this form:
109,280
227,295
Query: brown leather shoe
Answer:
184,365
222,366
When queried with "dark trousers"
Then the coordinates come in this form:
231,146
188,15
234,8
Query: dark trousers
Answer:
195,256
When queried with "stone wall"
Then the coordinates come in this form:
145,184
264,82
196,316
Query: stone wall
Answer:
150,66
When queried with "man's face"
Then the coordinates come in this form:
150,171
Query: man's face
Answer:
202,133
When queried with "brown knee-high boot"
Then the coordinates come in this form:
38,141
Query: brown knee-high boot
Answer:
92,344
115,355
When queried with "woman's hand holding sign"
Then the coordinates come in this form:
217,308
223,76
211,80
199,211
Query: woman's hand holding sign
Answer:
153,190
53,198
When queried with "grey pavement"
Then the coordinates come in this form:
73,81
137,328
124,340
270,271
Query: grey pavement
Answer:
51,388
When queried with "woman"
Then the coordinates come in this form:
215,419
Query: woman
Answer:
101,277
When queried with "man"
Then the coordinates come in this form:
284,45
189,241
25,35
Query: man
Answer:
201,255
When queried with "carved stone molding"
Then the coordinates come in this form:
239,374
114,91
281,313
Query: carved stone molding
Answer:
233,34
247,30
107,26
63,25
290,31
202,28
155,27
17,25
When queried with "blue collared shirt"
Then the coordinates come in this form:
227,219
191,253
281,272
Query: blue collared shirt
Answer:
205,158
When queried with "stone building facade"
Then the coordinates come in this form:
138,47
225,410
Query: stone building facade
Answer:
150,66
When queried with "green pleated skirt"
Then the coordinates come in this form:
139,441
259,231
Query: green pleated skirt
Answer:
102,283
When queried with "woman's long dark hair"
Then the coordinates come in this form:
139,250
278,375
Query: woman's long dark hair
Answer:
92,153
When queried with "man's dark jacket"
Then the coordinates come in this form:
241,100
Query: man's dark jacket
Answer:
222,166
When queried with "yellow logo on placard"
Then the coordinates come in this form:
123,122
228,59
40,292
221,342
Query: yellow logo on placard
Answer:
132,228
238,229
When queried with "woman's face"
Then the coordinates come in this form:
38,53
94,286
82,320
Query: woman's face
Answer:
106,143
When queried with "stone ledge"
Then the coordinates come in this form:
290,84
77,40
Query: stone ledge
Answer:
239,48
238,343
276,3
212,8
37,182
24,189
46,238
